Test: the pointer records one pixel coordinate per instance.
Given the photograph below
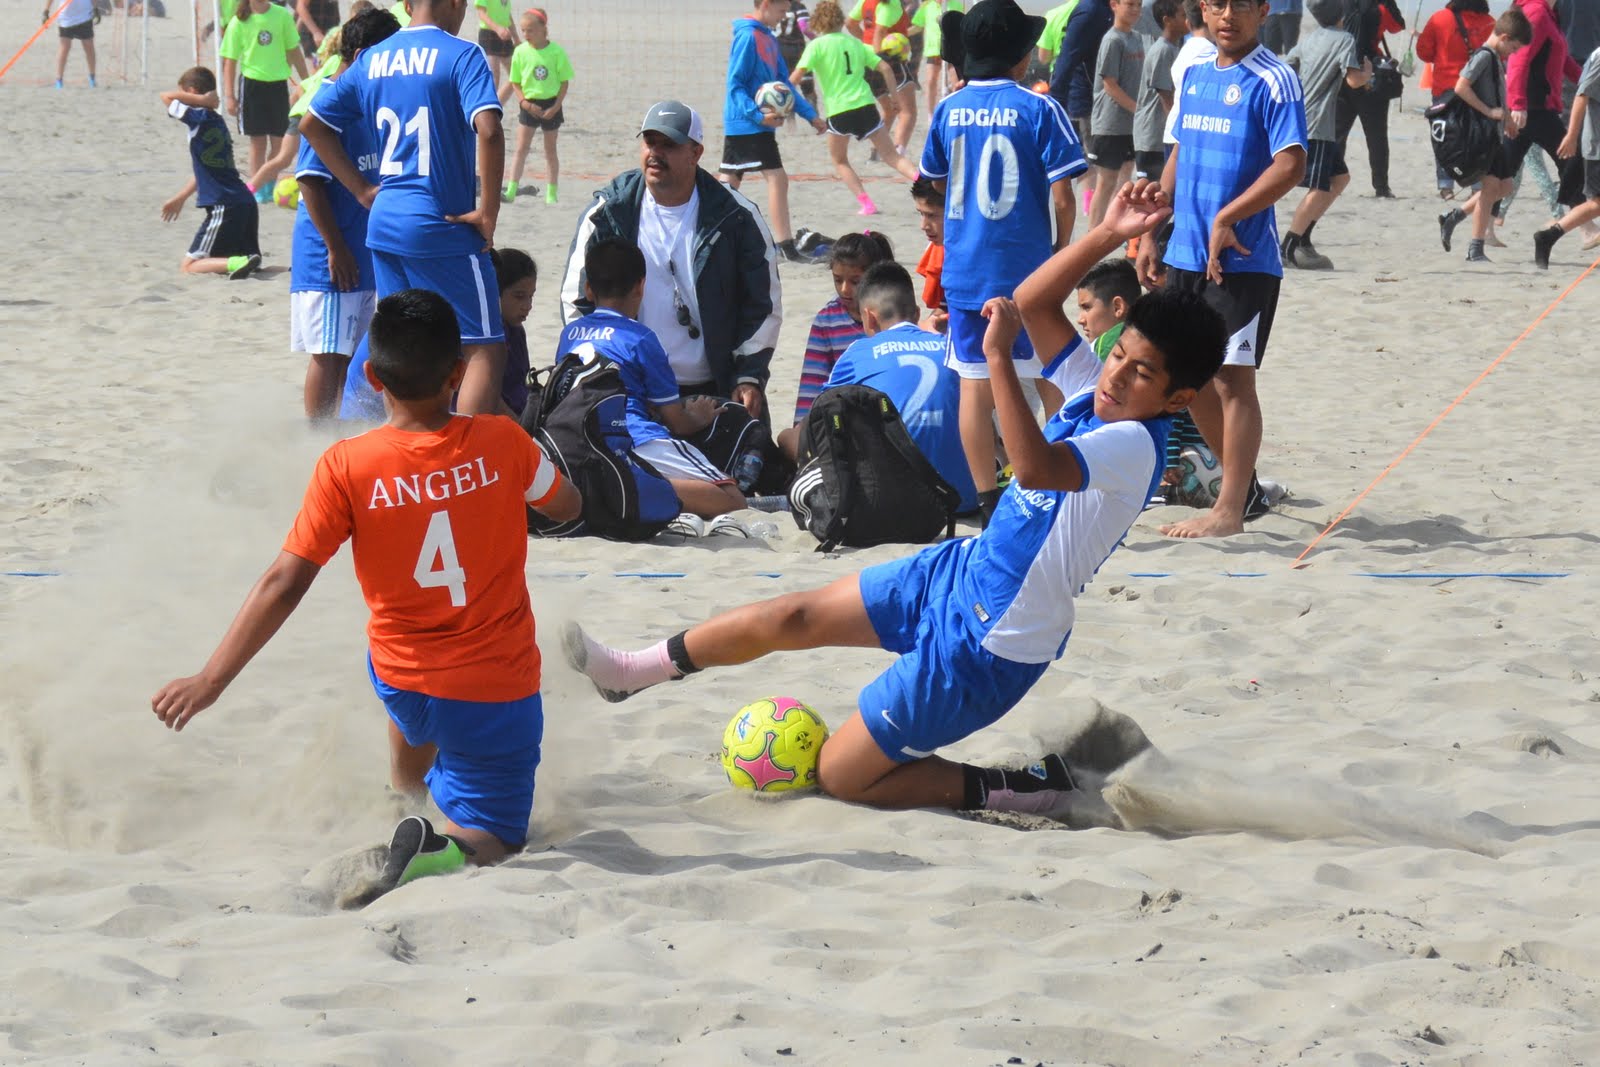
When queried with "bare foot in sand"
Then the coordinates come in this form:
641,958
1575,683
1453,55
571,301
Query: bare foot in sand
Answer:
1212,523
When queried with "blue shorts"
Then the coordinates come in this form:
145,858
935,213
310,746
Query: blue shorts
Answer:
467,282
945,685
964,352
482,778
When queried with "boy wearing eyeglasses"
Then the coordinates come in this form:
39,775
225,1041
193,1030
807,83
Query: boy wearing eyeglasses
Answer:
1240,127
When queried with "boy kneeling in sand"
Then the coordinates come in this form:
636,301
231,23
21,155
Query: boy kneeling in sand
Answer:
434,503
975,622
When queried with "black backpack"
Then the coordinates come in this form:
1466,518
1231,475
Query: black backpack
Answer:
862,480
742,446
578,416
1464,139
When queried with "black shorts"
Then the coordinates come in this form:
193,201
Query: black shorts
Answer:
902,78
552,123
1149,165
83,31
1324,163
228,230
1247,301
1110,150
745,152
1591,179
493,44
1543,128
263,108
858,122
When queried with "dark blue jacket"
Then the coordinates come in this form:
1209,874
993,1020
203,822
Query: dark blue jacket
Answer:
1072,81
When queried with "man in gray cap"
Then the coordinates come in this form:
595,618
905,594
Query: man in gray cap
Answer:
711,291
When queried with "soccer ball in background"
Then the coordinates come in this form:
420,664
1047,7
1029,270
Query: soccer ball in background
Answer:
776,96
771,746
896,46
1202,477
286,194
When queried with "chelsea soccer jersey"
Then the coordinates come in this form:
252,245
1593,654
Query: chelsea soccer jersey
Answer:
998,148
419,91
1230,122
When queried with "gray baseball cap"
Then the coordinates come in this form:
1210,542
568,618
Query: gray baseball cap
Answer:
676,120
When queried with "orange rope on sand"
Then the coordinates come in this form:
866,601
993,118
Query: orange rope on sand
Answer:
51,21
1448,409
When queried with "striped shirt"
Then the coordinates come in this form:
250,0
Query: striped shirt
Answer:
832,331
1231,122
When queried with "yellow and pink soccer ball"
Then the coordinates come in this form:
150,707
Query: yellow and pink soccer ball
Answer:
286,193
896,46
771,746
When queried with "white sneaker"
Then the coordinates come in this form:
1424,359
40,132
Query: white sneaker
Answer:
687,525
727,526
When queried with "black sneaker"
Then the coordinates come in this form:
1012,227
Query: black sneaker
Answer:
1447,225
1543,242
1383,192
1035,790
1475,254
416,850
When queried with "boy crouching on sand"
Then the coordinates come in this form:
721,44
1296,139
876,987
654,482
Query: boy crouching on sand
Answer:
225,243
434,503
975,622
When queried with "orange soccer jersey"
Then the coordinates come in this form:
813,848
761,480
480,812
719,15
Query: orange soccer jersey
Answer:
440,538
931,267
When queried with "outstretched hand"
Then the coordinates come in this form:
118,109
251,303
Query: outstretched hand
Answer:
1137,208
182,699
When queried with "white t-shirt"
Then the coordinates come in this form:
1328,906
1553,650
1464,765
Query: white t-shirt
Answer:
1195,50
77,13
666,237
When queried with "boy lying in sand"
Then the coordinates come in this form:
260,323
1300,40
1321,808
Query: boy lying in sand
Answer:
975,622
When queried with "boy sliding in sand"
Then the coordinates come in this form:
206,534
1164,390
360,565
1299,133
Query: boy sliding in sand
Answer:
434,505
975,622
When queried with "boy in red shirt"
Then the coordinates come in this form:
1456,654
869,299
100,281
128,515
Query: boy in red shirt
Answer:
434,503
929,201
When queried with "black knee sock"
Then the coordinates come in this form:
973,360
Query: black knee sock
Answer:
679,654
987,501
1291,241
1305,238
974,787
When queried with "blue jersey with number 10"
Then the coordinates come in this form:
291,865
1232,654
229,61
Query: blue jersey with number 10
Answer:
420,91
998,148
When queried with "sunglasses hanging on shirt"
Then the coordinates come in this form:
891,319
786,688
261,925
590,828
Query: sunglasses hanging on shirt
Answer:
685,319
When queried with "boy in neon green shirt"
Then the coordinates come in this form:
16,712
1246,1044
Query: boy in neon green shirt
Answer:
1055,25
261,43
498,39
540,75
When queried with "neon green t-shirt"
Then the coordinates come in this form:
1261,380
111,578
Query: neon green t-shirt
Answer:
261,44
927,16
887,15
499,11
401,14
840,63
540,71
309,87
1055,26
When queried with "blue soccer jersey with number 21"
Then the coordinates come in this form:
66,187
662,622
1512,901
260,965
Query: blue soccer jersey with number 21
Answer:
999,148
420,90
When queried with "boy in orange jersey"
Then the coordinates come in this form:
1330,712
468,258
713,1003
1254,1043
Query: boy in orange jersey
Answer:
434,503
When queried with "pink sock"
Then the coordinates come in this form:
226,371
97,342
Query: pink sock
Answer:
867,206
1088,198
1028,803
627,672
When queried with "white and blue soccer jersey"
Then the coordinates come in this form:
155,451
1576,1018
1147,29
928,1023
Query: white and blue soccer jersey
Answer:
1229,123
906,364
418,93
1020,575
637,352
308,270
999,148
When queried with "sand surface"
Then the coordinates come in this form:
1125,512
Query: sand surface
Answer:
1373,824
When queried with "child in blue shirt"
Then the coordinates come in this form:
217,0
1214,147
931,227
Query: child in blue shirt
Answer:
430,100
614,272
1004,158
975,621
331,289
1240,124
226,241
